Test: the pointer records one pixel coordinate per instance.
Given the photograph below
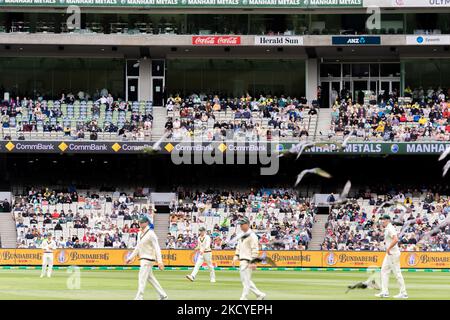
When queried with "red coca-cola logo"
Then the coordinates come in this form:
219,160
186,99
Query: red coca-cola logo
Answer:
216,40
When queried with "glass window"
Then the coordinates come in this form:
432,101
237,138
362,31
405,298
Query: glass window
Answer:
217,24
50,77
374,70
360,70
419,23
236,77
427,73
330,70
132,68
390,69
392,23
346,69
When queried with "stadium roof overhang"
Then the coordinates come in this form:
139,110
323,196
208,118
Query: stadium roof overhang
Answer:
166,46
324,54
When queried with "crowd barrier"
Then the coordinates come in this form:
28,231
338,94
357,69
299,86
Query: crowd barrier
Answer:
223,258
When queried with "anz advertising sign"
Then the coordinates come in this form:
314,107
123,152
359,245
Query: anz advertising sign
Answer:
356,40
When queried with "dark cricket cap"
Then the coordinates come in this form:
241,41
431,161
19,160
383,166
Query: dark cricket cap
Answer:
385,217
243,220
143,219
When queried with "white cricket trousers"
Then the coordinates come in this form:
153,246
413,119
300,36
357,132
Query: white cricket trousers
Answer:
47,264
146,274
246,279
392,263
205,257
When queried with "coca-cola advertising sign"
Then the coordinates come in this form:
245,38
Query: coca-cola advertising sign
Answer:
216,40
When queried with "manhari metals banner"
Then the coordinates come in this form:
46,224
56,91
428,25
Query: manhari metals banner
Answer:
189,3
223,258
135,147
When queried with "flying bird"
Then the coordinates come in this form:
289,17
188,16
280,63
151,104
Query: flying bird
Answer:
436,229
444,154
344,194
157,145
346,139
298,148
317,171
445,169
390,204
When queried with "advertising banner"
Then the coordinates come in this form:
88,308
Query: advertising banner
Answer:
224,258
421,3
132,147
349,259
428,40
278,41
190,3
216,40
432,260
356,40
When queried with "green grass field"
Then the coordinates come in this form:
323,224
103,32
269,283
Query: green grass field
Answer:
297,285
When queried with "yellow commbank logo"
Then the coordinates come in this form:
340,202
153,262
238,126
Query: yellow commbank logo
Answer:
10,146
222,147
116,147
169,147
63,146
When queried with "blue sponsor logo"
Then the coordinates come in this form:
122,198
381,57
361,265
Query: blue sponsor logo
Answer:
412,259
364,40
394,148
419,39
331,259
62,256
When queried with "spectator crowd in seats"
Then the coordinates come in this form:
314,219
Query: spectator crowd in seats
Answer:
91,220
420,116
281,220
214,117
77,117
421,222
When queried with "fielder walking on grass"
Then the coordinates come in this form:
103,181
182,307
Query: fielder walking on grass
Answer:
204,254
247,250
149,252
48,245
391,261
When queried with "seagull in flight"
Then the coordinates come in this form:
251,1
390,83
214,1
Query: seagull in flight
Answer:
346,139
298,149
445,169
344,194
317,171
444,154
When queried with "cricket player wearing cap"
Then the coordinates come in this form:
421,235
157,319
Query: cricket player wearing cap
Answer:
149,252
204,254
247,250
48,245
391,261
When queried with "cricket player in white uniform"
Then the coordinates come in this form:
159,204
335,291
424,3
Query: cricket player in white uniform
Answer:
204,254
247,250
48,245
149,252
391,261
